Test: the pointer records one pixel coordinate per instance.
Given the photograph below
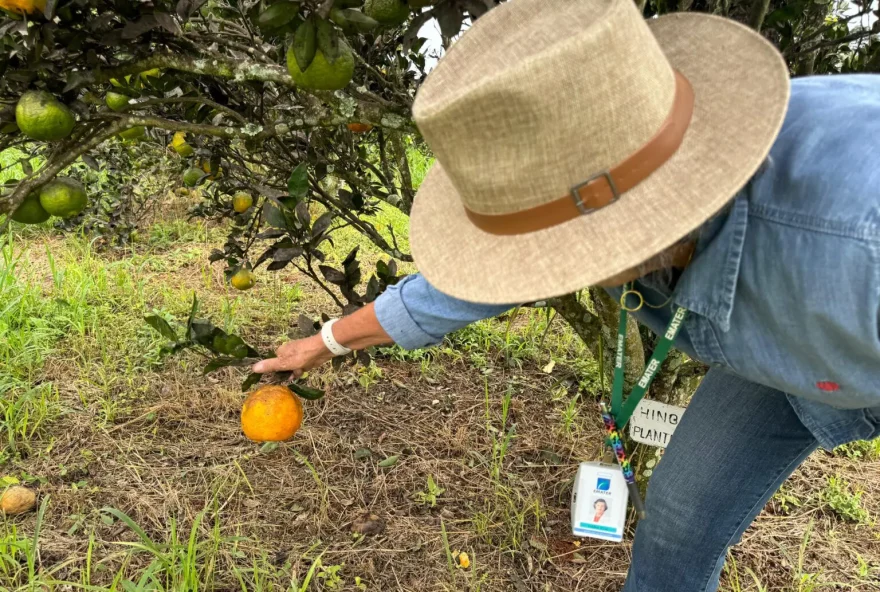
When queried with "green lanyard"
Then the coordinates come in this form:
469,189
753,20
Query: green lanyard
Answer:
623,410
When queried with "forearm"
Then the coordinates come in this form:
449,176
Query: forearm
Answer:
361,329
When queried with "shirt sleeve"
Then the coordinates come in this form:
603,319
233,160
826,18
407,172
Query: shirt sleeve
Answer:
416,315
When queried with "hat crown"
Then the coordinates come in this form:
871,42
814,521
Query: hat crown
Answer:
538,96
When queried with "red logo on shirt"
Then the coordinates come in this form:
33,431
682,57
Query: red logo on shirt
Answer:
828,386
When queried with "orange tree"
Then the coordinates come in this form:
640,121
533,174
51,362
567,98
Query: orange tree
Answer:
283,104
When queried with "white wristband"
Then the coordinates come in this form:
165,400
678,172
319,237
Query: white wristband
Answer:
327,334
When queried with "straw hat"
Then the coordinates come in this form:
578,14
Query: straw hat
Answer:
575,140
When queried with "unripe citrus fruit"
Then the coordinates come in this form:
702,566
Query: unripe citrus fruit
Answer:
191,177
387,12
243,279
271,414
359,128
116,101
64,197
242,201
40,116
30,211
321,74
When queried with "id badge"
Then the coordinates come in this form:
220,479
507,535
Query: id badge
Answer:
598,502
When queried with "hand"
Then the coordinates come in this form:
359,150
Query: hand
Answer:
297,356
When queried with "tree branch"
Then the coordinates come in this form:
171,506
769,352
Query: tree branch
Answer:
757,13
56,165
345,107
195,100
861,34
363,227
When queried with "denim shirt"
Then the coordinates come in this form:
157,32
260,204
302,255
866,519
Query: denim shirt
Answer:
784,285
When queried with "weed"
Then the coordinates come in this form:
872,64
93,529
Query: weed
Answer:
844,503
431,493
860,450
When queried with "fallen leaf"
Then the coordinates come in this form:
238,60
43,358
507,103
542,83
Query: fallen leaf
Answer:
389,462
549,367
368,524
537,543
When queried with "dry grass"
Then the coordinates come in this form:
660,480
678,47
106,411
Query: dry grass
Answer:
158,442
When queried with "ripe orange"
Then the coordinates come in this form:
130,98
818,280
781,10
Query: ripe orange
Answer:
359,128
271,414
23,6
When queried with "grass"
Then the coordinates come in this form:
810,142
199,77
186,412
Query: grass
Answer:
147,484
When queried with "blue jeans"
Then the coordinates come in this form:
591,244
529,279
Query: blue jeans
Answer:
735,446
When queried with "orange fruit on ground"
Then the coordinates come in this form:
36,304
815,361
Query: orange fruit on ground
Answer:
17,500
271,414
359,128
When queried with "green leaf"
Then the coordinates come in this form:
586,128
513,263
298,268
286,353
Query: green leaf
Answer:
218,363
162,326
322,223
231,345
298,183
252,379
203,332
305,44
192,313
306,392
276,214
277,15
328,41
389,462
268,447
362,453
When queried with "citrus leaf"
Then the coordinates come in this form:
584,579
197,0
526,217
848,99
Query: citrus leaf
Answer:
277,265
322,223
162,326
306,392
332,275
305,44
328,41
298,183
389,462
192,313
218,363
252,379
361,453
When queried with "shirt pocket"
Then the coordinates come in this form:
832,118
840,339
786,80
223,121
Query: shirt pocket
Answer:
806,315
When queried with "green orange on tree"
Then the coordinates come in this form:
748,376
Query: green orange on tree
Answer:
243,279
192,177
40,116
242,201
388,12
30,211
322,74
116,101
63,197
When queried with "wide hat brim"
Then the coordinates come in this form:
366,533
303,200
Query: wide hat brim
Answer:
741,88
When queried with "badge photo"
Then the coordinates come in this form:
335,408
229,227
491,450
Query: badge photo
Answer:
598,502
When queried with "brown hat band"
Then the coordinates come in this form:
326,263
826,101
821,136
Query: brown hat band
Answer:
604,187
